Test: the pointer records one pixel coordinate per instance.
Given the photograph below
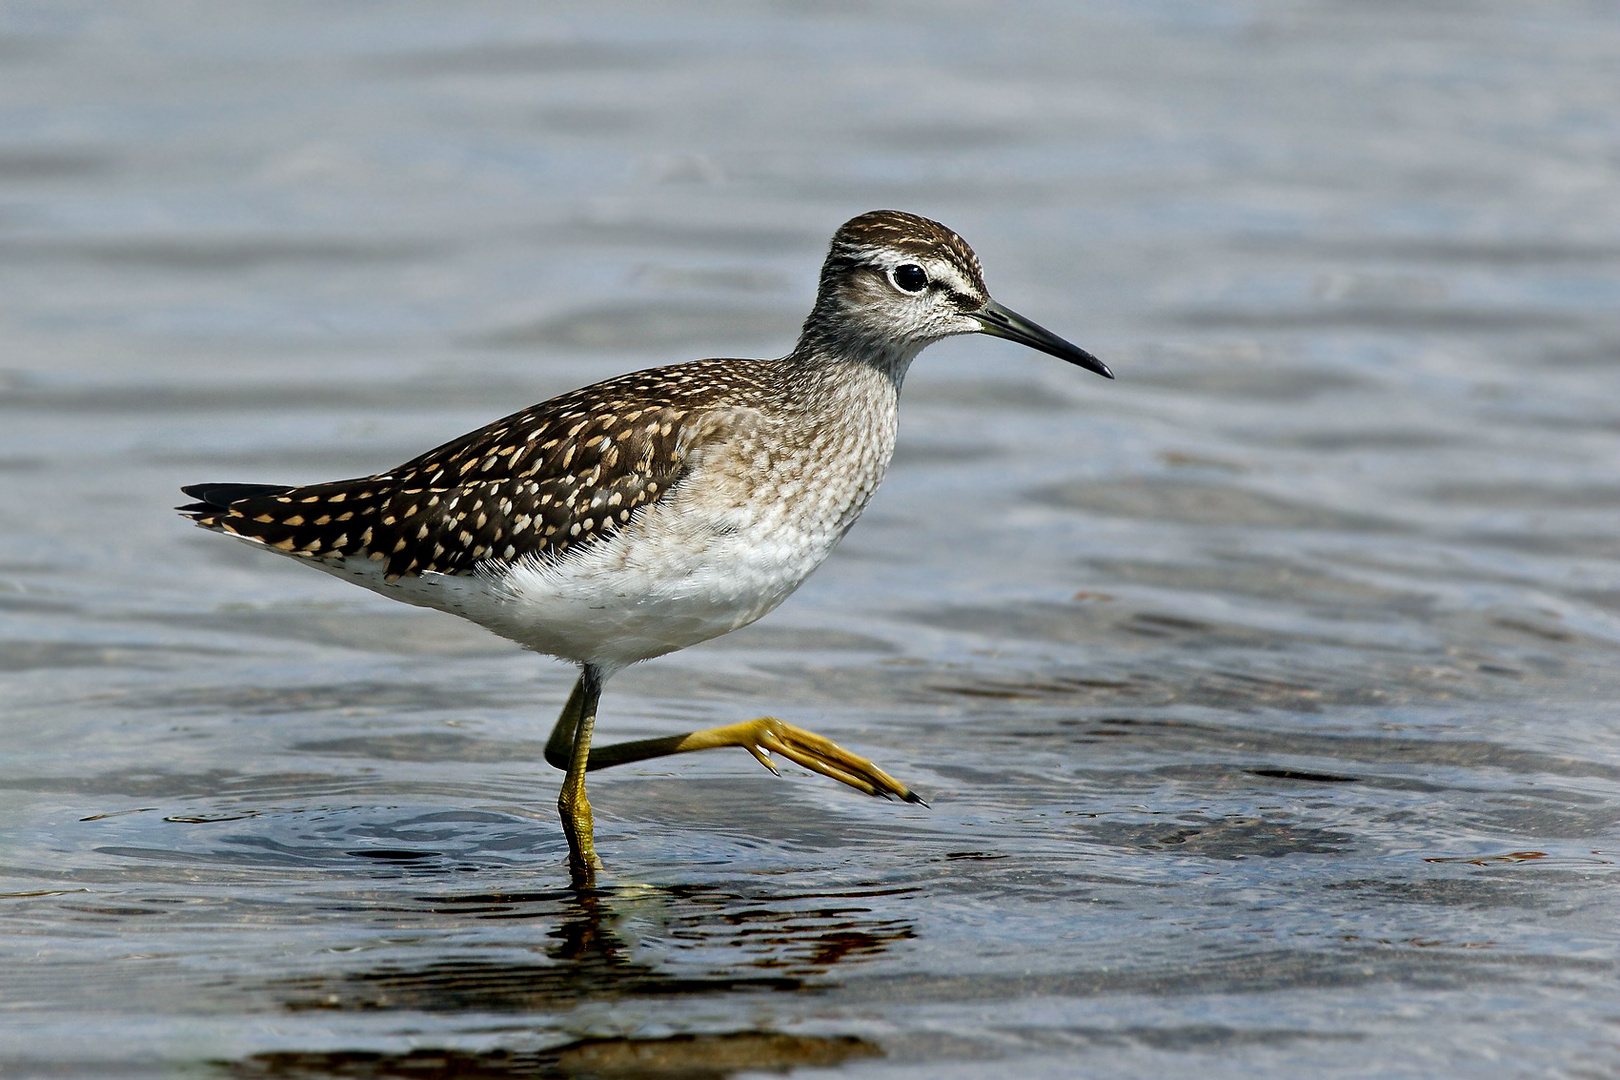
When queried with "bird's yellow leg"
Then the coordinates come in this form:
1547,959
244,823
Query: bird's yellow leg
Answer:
762,738
569,747
572,805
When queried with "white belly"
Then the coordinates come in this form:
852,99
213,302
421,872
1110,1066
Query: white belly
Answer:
658,586
673,577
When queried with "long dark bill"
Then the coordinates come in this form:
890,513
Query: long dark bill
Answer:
1003,323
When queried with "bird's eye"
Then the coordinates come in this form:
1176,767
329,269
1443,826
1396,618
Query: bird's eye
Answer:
909,277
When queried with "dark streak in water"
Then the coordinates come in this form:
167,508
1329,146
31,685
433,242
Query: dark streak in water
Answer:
1369,318
1307,777
215,254
675,1057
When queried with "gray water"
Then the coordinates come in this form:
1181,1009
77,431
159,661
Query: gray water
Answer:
1264,698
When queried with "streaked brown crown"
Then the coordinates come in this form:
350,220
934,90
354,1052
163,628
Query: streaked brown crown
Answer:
895,230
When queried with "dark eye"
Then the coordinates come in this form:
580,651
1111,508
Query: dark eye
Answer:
909,277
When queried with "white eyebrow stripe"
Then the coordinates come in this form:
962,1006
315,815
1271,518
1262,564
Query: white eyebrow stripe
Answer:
949,276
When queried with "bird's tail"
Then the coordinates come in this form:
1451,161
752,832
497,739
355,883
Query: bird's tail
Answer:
320,521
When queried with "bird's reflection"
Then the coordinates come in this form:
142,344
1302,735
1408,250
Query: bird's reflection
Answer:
609,943
603,945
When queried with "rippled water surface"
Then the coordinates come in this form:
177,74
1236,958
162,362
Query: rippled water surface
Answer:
1264,698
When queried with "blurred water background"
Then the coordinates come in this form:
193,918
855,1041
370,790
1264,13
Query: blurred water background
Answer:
1265,698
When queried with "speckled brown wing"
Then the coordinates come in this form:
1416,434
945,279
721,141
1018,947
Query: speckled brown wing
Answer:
540,484
566,472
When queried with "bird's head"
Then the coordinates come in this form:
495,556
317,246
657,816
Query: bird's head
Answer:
895,282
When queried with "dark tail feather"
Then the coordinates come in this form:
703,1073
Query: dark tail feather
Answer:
315,521
220,496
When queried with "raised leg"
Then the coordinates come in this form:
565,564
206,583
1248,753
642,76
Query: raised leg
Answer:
761,738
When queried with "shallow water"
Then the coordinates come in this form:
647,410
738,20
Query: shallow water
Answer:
1263,697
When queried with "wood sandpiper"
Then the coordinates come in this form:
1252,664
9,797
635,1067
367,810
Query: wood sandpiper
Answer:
657,509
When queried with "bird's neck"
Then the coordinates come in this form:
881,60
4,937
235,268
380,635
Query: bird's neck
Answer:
824,353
